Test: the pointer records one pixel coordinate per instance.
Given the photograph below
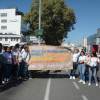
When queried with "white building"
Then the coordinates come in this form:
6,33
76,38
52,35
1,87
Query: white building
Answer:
72,46
11,27
94,40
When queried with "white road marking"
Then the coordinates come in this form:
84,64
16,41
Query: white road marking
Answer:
77,87
47,93
84,97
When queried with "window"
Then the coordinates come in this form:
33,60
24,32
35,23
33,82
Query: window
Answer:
6,39
11,39
0,39
3,27
16,39
3,14
3,21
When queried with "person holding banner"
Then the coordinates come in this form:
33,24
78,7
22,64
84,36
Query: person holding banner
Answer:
82,66
75,64
26,57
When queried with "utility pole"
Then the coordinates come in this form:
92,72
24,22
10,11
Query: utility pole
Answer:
39,20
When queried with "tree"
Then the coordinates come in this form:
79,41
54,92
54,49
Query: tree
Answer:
57,20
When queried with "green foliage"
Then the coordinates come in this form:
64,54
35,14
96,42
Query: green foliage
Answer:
57,20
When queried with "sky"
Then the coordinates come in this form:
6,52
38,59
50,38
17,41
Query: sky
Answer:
87,13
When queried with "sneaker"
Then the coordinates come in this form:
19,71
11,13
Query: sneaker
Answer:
74,77
20,78
31,78
70,77
97,85
3,82
24,79
89,84
81,81
7,80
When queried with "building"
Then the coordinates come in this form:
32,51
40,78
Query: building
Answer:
11,27
72,46
84,43
34,40
93,42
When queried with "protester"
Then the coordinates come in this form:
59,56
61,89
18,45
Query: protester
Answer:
82,66
2,67
19,63
87,65
92,69
75,64
26,57
14,62
8,57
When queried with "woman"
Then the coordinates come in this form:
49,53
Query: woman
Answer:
87,65
19,63
14,62
2,66
92,69
82,66
8,56
75,64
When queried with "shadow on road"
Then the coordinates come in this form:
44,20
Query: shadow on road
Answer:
10,85
54,74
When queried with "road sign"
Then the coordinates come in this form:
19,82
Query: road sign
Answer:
39,32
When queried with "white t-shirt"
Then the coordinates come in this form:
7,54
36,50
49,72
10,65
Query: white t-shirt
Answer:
75,56
88,58
26,56
23,50
8,57
19,55
82,58
93,61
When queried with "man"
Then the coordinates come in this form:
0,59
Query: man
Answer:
26,57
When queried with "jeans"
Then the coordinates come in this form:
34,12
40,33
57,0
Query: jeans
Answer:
92,71
73,71
25,71
82,69
2,72
8,69
18,71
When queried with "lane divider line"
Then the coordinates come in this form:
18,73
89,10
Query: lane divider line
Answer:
77,87
47,93
84,97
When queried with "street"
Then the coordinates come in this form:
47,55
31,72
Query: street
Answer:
53,86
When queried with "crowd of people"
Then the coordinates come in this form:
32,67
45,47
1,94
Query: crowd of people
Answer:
88,65
14,63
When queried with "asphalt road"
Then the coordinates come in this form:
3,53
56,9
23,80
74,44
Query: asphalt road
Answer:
53,86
